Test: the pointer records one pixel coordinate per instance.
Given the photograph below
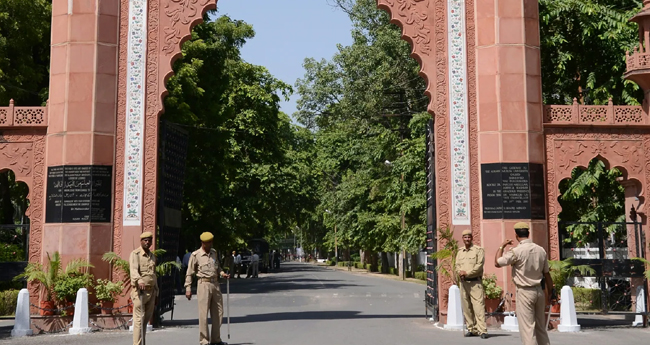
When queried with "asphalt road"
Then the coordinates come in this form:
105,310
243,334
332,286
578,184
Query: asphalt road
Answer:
311,305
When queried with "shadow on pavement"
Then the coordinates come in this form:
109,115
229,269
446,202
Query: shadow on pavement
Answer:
295,316
5,331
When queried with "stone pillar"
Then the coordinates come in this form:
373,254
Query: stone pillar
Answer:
511,139
80,143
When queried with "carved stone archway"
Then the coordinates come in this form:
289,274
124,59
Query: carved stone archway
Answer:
568,148
423,24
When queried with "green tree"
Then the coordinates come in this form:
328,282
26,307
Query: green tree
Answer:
583,44
24,51
248,172
366,106
591,195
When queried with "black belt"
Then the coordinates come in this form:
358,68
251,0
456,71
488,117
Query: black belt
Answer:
473,279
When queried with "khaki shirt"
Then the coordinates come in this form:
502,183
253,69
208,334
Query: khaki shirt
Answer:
471,261
205,265
143,268
528,262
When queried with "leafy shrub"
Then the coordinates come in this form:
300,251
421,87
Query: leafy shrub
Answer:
586,299
393,270
8,300
421,275
343,263
407,274
66,287
11,252
492,290
106,290
378,268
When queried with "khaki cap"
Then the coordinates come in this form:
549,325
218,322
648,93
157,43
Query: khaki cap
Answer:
146,234
521,225
467,232
206,237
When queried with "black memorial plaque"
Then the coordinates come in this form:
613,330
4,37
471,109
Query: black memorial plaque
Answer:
513,191
492,197
79,194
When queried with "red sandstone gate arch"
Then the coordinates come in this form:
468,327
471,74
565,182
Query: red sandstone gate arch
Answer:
476,57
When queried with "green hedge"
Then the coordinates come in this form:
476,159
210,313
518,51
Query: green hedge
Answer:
421,275
586,299
8,300
393,270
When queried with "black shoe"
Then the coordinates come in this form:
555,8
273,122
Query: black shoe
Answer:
470,334
484,336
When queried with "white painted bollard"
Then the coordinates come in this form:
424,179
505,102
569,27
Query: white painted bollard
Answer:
22,324
640,306
454,310
80,320
568,318
510,324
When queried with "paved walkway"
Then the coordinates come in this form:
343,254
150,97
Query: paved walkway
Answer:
309,304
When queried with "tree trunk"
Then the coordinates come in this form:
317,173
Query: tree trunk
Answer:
372,260
384,262
414,264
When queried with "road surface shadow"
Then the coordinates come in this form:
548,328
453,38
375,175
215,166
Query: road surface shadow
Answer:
295,316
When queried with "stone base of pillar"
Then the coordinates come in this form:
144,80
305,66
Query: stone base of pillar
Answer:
81,330
573,328
510,324
149,328
16,333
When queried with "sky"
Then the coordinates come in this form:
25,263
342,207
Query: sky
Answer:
287,32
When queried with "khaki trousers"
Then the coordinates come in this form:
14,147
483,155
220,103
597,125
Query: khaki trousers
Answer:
473,297
531,304
210,299
142,312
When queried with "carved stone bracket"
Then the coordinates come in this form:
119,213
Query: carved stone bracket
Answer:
568,148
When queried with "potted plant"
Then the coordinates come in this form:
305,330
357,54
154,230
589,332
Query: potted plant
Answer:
45,276
493,293
106,291
66,287
561,271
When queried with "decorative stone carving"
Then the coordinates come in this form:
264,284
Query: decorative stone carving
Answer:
18,157
181,13
571,146
23,151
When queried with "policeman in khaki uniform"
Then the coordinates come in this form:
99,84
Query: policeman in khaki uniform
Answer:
144,285
204,263
529,266
469,268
